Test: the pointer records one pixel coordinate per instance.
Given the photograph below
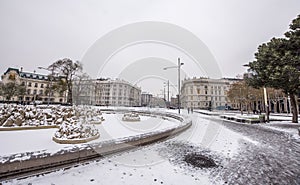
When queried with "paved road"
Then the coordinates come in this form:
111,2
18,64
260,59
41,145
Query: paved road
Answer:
276,160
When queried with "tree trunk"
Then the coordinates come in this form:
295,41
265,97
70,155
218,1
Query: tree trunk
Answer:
70,98
294,106
70,94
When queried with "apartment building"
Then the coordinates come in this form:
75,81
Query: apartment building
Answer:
146,99
204,93
38,86
107,92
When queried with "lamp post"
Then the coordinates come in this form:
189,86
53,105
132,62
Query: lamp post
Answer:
50,85
178,68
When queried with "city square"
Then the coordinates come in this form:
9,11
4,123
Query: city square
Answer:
135,93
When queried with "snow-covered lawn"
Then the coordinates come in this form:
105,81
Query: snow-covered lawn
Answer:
113,127
158,163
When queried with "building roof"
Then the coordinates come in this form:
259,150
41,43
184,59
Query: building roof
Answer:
27,74
33,76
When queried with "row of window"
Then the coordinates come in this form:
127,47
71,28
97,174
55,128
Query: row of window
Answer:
203,104
206,92
216,98
40,92
35,92
205,88
30,84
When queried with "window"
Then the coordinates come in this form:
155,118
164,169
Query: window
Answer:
42,85
29,84
41,92
34,91
28,91
205,91
36,85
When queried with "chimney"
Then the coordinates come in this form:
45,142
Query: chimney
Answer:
21,69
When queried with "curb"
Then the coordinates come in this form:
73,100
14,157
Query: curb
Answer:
28,127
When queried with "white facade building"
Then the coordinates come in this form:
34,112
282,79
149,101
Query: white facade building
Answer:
204,93
107,92
146,99
84,92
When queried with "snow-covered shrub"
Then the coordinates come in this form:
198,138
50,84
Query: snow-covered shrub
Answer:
132,116
76,131
19,115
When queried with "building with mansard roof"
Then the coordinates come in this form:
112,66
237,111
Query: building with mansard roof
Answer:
38,86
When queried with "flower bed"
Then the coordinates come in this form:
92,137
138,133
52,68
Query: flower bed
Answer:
132,116
14,116
73,133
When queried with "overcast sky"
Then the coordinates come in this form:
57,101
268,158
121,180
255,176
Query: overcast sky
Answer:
37,33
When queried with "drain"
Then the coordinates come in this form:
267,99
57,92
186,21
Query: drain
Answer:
198,160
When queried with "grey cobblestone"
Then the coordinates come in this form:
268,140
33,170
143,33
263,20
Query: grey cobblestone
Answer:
275,160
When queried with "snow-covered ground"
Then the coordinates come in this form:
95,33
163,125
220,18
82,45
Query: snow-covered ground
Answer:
12,142
147,165
161,163
284,126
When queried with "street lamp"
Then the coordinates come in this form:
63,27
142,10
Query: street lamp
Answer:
178,67
50,85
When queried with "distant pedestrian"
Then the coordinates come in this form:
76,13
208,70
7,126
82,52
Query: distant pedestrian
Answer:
188,110
192,110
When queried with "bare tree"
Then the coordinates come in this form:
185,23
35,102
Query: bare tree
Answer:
67,69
